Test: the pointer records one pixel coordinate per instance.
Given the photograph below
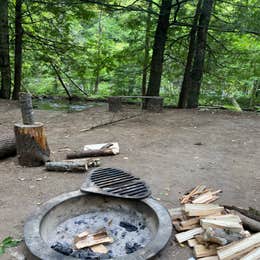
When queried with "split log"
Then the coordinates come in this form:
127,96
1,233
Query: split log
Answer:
95,151
97,238
7,146
177,225
192,242
229,225
203,251
184,236
194,210
66,166
31,144
176,213
99,249
253,255
90,153
238,249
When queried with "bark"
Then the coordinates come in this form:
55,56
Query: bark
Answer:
186,83
199,57
31,144
158,49
26,108
7,146
5,69
146,48
18,49
248,223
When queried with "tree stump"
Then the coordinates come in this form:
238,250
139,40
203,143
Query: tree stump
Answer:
31,144
114,104
7,146
154,104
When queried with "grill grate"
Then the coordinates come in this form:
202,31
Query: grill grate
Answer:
115,182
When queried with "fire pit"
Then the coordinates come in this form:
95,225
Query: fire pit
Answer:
61,218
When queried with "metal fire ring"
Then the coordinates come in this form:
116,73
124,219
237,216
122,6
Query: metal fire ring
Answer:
40,249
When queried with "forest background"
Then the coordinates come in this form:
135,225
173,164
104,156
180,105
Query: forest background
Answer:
204,52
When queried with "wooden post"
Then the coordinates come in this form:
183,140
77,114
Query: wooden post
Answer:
31,143
114,104
26,108
153,104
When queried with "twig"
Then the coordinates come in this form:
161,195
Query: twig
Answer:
108,123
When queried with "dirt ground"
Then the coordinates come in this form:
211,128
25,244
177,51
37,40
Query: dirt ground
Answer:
158,147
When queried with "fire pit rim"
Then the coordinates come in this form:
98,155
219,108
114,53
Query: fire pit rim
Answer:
39,248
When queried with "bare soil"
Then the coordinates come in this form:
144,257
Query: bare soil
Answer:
158,147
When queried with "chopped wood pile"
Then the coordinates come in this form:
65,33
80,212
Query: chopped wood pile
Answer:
211,230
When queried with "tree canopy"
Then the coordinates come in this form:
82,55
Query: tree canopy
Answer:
101,48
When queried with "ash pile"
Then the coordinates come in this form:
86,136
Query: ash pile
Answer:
116,237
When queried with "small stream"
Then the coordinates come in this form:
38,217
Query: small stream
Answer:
60,104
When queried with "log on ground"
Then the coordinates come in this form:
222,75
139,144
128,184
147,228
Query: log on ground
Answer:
31,144
66,166
7,146
91,153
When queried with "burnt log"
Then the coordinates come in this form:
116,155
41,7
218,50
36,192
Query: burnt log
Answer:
31,144
66,166
7,146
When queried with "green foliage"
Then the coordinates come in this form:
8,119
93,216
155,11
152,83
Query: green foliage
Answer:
102,49
8,242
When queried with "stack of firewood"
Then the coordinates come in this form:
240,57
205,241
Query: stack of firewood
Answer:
213,231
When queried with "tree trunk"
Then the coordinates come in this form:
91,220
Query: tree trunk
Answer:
158,49
4,51
61,81
146,48
98,67
31,144
7,146
253,94
18,49
186,83
199,57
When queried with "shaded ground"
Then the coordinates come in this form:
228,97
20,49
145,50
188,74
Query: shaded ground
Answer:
157,147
